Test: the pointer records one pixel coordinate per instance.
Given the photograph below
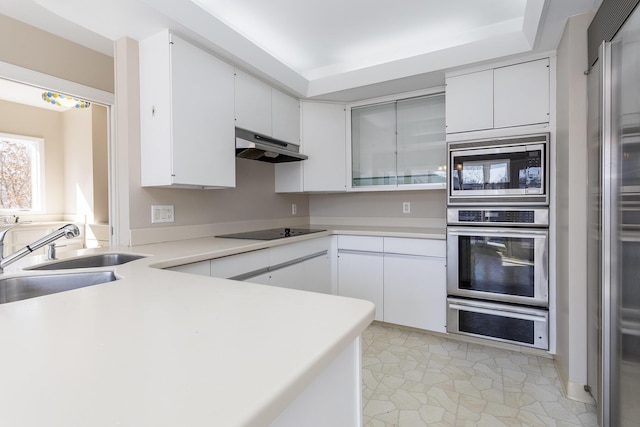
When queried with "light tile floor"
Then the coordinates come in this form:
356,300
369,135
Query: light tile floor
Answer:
413,379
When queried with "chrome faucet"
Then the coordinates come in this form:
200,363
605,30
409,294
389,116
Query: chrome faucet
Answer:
69,231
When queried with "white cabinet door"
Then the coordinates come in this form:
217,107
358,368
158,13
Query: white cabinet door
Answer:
202,268
252,104
202,119
285,117
469,102
415,292
317,274
155,110
312,275
291,277
186,98
360,275
323,139
312,268
521,94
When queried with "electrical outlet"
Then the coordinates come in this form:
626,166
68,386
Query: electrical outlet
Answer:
162,213
294,209
406,207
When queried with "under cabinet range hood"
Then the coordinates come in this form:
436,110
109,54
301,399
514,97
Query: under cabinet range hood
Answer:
251,145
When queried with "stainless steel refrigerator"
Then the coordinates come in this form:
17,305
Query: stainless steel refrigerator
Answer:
614,226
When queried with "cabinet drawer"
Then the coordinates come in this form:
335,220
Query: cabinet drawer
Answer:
421,247
361,243
235,265
291,251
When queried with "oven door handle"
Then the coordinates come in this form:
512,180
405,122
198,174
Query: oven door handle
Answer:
502,232
512,314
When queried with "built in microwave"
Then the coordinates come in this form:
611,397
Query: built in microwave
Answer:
505,171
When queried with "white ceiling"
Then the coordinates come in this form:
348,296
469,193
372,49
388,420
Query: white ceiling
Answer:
340,36
325,49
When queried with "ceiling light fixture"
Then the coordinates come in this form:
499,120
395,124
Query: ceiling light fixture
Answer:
64,101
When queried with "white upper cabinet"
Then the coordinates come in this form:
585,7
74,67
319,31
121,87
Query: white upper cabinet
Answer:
399,145
509,96
187,123
521,94
285,117
265,110
252,104
324,141
469,103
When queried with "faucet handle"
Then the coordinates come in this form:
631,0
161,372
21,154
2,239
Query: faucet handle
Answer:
4,232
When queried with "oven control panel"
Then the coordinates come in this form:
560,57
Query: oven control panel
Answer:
497,216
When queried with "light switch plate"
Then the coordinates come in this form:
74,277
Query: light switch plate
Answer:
406,207
162,213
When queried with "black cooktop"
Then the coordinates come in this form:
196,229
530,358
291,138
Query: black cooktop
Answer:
271,234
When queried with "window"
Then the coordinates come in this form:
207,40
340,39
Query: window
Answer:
21,173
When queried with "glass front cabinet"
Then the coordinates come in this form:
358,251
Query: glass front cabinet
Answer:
399,143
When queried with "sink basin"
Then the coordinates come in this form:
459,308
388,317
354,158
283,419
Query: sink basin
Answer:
99,260
24,287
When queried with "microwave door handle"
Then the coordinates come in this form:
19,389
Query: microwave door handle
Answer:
521,316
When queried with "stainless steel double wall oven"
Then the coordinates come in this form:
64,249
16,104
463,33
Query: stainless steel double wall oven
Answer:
498,239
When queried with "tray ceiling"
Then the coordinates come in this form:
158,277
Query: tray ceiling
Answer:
327,49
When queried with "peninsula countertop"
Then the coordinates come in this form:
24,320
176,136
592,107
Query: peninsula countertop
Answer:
164,348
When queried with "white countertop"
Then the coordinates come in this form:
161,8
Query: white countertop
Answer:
162,348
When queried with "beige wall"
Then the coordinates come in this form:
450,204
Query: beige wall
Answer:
24,120
571,202
387,205
38,50
78,167
254,198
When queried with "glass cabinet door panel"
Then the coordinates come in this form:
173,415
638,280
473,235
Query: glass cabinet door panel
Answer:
373,145
421,140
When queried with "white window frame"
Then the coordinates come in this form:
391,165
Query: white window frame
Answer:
38,201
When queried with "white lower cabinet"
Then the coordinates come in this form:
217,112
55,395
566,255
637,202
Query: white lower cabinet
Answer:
404,277
312,274
317,274
360,275
302,265
415,291
291,276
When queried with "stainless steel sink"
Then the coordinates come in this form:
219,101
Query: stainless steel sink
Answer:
92,261
24,287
